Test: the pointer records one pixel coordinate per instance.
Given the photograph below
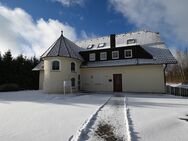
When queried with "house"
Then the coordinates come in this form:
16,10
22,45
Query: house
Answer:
130,62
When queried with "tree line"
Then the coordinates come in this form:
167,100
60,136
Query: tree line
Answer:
177,73
16,73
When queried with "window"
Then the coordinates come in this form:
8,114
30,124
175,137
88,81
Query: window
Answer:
55,65
73,82
90,46
101,45
103,56
73,67
78,82
115,54
128,53
131,41
92,57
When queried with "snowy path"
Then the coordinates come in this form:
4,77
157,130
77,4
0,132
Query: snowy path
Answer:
33,116
109,123
158,117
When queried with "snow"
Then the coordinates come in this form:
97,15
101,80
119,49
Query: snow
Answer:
112,117
178,85
34,116
157,117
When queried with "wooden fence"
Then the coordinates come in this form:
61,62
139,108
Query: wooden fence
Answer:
177,91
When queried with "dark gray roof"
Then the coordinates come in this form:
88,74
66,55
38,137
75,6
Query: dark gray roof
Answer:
65,48
149,41
40,66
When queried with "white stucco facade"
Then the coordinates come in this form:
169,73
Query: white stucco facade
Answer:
141,78
142,71
54,80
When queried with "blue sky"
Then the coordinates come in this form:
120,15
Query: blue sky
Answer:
31,26
94,16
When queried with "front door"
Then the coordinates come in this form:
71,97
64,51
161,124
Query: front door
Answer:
117,81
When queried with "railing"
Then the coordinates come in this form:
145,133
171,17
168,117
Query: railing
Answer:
177,91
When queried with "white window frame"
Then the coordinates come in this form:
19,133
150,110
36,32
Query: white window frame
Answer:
92,57
51,67
103,55
117,54
125,53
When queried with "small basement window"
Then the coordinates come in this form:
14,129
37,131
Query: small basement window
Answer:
128,53
55,65
90,46
131,41
103,56
115,54
92,57
100,45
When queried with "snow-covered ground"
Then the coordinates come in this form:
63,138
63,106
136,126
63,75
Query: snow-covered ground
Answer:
109,123
34,116
158,117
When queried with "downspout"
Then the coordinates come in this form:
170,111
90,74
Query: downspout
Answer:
165,77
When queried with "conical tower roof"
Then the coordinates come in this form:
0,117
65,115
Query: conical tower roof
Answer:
63,47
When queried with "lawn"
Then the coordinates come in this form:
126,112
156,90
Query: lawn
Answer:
34,116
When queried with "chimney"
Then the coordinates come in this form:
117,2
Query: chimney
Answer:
112,40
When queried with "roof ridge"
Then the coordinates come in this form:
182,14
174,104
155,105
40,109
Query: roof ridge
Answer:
118,34
59,45
66,46
72,48
50,48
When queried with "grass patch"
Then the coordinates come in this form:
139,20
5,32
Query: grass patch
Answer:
106,132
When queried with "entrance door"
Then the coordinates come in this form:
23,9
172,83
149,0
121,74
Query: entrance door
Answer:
117,81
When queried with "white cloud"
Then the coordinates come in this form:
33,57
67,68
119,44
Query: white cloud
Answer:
70,2
21,34
169,17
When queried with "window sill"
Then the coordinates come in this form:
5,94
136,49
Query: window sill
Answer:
128,57
55,70
73,71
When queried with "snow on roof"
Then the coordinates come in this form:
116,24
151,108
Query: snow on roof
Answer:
142,38
150,41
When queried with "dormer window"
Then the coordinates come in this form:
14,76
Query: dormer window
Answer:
131,41
90,46
92,57
128,53
101,45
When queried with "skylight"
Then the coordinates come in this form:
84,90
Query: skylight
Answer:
101,45
90,46
131,41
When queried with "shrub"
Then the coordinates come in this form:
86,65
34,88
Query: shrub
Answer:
9,87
